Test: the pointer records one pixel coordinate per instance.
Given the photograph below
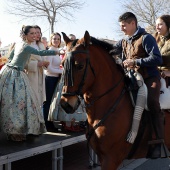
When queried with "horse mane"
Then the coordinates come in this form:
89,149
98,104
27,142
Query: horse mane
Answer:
107,46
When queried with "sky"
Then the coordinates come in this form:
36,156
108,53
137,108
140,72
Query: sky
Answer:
98,17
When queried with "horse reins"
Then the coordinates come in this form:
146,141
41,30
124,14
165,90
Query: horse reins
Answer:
90,133
97,98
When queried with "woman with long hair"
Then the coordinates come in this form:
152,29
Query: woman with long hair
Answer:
163,40
52,77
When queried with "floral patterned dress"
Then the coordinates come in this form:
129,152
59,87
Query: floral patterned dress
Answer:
19,109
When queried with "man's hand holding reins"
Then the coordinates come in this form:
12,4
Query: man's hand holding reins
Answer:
129,63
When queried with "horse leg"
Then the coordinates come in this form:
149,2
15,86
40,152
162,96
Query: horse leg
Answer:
107,166
110,163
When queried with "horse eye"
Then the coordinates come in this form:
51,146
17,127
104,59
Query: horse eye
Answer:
79,66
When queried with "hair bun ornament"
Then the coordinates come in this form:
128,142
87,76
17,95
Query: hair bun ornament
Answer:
23,27
22,31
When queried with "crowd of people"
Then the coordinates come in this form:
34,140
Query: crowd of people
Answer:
27,83
29,79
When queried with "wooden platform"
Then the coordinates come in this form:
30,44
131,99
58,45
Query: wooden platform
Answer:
13,151
39,154
76,158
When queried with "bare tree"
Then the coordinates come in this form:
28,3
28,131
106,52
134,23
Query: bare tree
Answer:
52,10
147,11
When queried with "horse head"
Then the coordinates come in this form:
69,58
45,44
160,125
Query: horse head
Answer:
87,65
78,74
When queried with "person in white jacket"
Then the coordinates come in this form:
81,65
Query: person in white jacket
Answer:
52,76
34,69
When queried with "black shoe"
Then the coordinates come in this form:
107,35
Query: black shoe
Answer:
156,152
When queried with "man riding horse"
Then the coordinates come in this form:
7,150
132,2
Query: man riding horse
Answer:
140,49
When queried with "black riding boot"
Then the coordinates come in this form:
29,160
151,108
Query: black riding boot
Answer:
160,150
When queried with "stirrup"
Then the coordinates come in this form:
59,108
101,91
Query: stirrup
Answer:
164,152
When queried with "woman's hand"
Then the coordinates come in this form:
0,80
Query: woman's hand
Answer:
40,63
43,64
46,63
62,52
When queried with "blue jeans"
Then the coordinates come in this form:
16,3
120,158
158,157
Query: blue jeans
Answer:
50,85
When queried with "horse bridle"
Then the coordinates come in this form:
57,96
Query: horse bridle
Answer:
68,73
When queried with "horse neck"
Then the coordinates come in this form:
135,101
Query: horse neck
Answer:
107,76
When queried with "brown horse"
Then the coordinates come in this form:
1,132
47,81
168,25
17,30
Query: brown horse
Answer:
91,72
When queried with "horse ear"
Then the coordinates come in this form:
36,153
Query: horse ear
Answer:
66,39
86,39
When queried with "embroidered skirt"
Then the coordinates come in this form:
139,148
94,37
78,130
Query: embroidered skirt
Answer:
19,109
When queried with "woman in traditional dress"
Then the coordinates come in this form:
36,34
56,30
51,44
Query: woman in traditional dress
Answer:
20,113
